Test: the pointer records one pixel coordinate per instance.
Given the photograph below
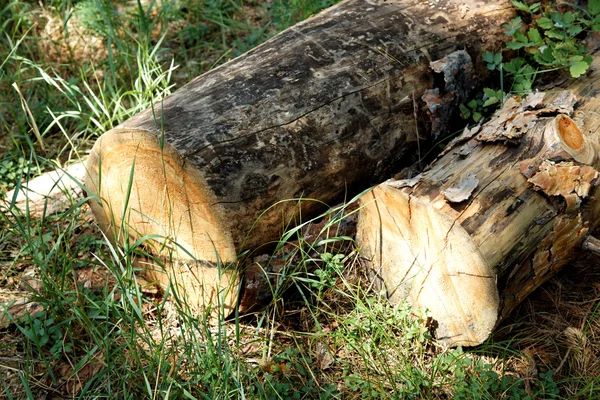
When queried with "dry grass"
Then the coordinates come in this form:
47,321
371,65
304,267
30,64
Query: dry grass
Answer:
558,328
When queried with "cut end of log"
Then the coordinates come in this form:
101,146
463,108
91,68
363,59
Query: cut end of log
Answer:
146,191
573,141
569,132
426,258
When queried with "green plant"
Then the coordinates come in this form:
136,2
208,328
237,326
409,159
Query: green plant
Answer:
14,167
328,273
478,107
551,40
43,331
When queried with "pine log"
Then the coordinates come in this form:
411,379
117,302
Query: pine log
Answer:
50,193
320,111
502,211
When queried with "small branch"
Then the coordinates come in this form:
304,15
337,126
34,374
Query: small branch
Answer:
592,244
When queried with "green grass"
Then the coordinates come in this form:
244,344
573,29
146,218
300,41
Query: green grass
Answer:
104,333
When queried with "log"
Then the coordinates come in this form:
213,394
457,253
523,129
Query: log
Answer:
50,193
502,211
320,111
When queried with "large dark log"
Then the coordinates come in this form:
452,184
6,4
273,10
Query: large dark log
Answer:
325,108
500,213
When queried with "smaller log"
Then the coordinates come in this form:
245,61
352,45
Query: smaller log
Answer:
501,212
49,193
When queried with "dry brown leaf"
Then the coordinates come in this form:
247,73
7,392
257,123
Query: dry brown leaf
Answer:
14,306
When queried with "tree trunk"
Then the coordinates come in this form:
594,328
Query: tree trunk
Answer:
320,111
498,214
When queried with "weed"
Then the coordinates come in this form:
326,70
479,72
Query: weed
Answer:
549,41
14,167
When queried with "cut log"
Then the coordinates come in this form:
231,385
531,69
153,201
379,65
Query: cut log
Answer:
49,193
498,214
320,111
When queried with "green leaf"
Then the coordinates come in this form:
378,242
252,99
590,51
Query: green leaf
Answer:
521,37
555,34
578,69
490,92
520,6
533,8
557,18
472,104
575,59
513,66
513,26
488,56
568,18
477,116
515,45
534,36
568,47
594,7
491,67
574,30
545,22
498,58
545,57
464,111
490,101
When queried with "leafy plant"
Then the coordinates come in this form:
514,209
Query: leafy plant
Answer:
329,272
43,331
14,167
478,107
494,60
551,41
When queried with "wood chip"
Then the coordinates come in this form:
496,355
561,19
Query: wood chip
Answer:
404,182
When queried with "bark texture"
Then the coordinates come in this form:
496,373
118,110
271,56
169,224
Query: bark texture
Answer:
323,109
501,212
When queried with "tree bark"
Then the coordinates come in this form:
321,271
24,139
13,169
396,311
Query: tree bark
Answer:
501,212
320,111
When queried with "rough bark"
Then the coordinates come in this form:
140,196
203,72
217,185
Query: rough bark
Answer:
325,108
498,214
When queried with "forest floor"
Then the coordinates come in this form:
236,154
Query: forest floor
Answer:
83,323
